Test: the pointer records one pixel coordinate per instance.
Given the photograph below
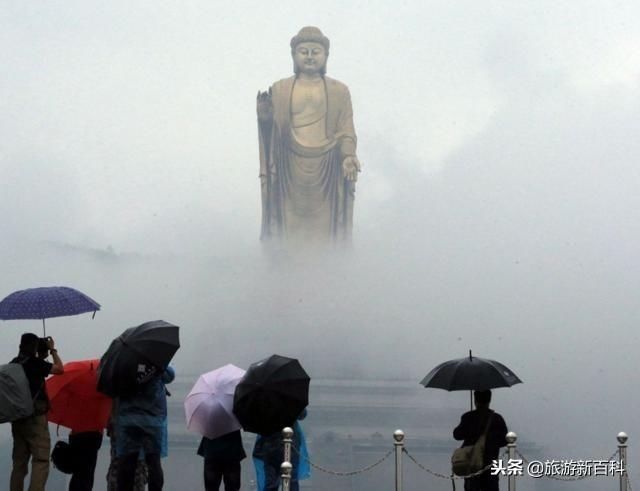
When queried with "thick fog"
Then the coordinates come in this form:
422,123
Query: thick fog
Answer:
497,210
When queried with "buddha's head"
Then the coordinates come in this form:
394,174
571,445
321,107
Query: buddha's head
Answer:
310,49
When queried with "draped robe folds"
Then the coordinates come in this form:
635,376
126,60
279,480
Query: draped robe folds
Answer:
305,197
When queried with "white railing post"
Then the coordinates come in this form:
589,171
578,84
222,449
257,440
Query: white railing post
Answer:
622,456
512,438
287,440
286,469
398,442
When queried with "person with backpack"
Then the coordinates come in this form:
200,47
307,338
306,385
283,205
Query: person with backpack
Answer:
476,424
31,440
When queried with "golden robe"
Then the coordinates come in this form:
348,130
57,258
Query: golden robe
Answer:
305,197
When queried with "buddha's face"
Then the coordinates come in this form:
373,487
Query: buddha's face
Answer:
309,58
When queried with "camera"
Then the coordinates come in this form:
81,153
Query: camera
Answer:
43,347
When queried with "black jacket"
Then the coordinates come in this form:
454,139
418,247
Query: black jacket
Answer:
473,423
36,371
226,449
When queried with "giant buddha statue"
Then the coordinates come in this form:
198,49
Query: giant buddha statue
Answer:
308,162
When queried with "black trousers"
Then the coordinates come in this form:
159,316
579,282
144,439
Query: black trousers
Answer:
127,470
483,482
272,472
216,472
85,448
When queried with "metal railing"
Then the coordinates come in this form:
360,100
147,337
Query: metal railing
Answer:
516,462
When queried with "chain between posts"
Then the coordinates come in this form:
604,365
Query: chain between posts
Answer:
345,473
445,476
451,476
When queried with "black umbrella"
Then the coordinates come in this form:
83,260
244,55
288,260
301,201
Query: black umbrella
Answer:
271,395
470,373
135,355
15,395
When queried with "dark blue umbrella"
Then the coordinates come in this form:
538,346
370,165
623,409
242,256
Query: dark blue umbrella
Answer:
45,302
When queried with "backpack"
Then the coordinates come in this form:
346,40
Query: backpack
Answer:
470,458
40,405
62,457
15,395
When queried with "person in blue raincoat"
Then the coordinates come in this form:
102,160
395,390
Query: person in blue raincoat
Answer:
268,455
140,426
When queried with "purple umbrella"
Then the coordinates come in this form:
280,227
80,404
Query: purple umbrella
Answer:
209,405
45,302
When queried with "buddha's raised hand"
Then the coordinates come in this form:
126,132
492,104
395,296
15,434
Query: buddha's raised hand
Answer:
264,106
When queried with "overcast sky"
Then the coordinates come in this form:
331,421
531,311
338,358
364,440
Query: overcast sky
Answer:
141,114
498,207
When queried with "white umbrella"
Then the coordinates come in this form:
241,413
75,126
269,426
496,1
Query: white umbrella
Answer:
209,405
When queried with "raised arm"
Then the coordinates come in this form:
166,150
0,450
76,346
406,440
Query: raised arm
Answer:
264,107
58,366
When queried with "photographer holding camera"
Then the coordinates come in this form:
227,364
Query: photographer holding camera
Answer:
31,435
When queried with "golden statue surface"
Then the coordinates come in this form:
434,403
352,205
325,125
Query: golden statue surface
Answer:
308,162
